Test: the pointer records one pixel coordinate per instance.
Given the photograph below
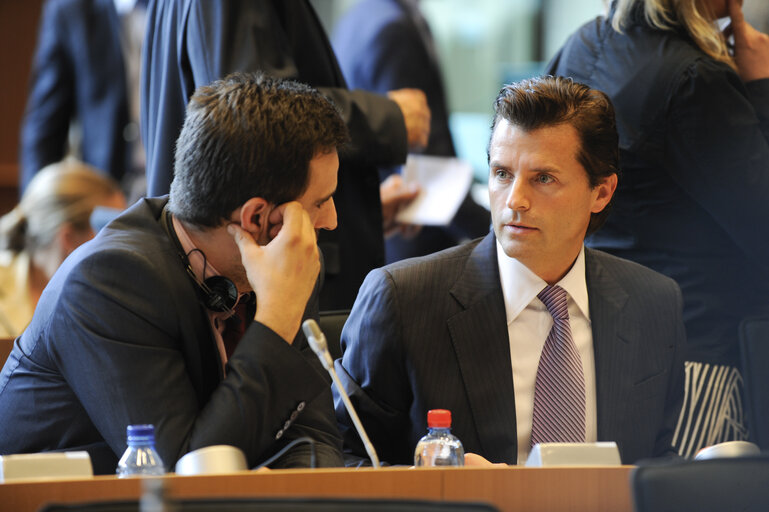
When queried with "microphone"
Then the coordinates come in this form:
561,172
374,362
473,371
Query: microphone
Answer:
318,343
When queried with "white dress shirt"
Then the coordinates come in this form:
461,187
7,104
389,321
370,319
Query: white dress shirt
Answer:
528,325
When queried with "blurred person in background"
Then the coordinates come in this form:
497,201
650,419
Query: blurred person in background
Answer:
192,42
387,44
693,119
84,90
50,222
757,14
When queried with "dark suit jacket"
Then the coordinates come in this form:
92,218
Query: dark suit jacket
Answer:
380,47
694,153
77,73
193,42
384,45
432,333
119,337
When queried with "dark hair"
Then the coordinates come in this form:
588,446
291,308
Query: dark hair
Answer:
546,101
249,135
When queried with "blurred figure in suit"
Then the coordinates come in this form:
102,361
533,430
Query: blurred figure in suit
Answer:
191,42
387,44
693,120
50,222
86,71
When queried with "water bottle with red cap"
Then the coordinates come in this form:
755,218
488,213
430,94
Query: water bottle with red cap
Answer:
439,447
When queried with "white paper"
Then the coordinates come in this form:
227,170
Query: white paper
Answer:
444,183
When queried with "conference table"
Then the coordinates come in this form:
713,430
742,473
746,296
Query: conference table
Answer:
573,489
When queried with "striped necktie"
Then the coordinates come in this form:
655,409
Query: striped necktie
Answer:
559,391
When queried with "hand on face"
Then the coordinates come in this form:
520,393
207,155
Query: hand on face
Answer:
751,47
282,272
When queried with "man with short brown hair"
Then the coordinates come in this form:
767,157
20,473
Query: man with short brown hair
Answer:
525,335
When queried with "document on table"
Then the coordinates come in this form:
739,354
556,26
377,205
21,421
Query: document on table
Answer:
444,183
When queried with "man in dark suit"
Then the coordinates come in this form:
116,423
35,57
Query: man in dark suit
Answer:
184,312
80,73
191,42
470,329
384,45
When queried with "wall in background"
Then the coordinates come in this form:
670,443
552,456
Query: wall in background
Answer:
484,44
18,34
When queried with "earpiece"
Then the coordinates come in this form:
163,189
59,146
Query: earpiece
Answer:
217,293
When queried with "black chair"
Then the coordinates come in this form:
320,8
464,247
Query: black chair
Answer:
331,323
282,505
717,485
754,351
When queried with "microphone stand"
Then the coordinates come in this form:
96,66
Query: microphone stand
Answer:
319,345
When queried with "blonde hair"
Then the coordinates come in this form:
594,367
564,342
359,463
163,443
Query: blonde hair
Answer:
63,192
688,14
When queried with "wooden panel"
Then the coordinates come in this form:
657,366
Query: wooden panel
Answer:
9,197
18,35
6,345
508,488
548,489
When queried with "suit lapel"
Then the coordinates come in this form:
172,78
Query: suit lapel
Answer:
607,300
479,336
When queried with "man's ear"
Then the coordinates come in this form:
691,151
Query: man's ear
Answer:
605,191
253,215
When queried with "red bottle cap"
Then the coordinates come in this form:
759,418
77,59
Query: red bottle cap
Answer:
439,418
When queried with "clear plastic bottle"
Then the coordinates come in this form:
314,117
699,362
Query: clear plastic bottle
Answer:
439,447
140,458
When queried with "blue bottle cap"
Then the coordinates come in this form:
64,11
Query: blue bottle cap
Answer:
134,431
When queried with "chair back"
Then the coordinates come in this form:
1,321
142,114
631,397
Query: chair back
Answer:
331,323
754,352
712,485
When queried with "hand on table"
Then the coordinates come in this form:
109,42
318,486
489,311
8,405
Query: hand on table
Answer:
473,459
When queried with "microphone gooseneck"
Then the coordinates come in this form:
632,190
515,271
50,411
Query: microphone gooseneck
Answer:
318,343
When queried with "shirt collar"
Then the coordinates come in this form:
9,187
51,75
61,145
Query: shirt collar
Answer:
202,268
520,285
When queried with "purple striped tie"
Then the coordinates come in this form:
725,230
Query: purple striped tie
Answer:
559,392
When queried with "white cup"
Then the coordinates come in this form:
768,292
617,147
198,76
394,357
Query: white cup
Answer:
212,460
727,450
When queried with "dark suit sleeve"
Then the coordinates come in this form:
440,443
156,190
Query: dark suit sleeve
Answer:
317,420
236,36
372,371
717,133
148,346
394,58
51,101
675,392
